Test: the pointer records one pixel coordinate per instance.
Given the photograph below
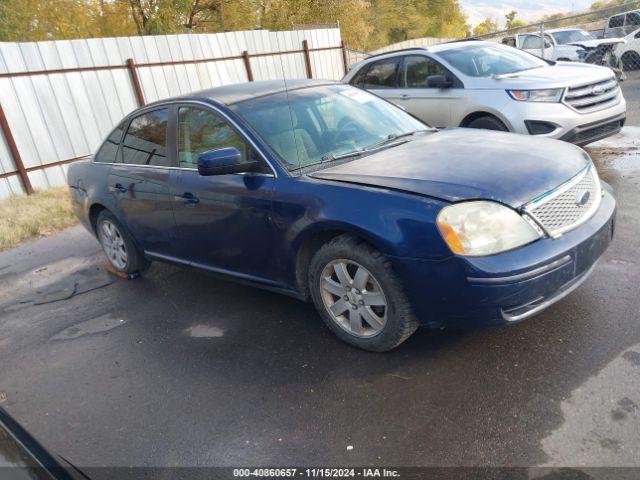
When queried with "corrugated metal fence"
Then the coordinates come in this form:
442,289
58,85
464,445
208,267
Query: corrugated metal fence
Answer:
58,99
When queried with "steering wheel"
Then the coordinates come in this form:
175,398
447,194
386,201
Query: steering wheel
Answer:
346,131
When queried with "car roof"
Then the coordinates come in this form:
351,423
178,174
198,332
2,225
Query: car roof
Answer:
453,45
554,30
238,92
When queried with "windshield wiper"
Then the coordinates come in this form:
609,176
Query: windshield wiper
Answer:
390,138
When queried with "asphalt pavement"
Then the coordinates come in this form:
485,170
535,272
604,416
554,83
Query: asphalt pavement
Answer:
178,368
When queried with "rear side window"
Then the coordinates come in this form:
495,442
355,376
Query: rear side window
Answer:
381,74
511,41
416,69
146,140
109,149
633,18
616,21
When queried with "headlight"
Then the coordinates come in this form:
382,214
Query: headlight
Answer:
483,228
548,95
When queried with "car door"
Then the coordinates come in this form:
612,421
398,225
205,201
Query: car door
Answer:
615,27
434,106
223,221
139,181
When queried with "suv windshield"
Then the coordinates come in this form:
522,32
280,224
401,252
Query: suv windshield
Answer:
569,36
488,60
312,125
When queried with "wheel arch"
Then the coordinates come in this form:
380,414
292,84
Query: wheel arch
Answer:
485,113
94,211
310,241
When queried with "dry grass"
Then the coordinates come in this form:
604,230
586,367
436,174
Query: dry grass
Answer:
25,217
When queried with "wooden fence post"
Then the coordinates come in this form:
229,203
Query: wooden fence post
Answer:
307,58
345,63
247,65
13,149
136,82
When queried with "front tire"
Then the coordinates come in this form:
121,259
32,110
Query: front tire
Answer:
118,245
488,123
359,296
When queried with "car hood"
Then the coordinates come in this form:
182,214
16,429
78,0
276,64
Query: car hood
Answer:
466,164
597,42
562,74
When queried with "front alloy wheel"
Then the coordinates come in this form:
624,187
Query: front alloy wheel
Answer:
353,298
113,244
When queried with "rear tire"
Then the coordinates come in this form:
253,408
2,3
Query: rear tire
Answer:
358,295
488,123
118,245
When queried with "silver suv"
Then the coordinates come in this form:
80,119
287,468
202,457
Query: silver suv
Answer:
487,85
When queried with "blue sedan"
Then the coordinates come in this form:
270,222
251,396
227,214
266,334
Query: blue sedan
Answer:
328,193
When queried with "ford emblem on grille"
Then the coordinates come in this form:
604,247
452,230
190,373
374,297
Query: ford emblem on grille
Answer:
597,90
582,197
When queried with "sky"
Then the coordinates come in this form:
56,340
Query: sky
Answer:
528,10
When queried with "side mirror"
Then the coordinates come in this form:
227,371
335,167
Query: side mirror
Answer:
637,35
438,81
223,161
547,44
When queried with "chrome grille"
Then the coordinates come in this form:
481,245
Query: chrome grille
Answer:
593,96
569,205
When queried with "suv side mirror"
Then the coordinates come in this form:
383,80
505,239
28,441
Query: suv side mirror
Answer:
547,44
223,161
439,81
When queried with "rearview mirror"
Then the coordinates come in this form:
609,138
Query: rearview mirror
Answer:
223,161
438,81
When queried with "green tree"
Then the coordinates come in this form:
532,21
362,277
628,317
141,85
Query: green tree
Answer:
485,27
512,21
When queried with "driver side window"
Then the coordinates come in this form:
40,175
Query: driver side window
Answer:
201,130
416,69
531,42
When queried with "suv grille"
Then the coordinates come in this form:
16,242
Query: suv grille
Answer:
569,205
593,96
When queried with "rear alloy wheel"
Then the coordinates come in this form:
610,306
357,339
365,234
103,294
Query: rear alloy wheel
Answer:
358,295
113,245
118,246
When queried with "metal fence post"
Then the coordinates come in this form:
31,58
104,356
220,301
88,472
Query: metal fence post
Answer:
247,65
307,58
345,64
136,82
13,149
542,39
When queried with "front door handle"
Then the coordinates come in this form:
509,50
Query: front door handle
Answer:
188,197
119,188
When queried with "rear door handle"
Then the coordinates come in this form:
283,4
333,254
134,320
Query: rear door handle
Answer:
188,197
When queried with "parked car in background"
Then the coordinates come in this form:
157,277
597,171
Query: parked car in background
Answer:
562,44
622,24
629,52
487,85
328,193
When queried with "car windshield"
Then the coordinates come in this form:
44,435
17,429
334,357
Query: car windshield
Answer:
314,125
569,36
488,60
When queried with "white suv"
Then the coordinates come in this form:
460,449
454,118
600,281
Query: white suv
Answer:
487,85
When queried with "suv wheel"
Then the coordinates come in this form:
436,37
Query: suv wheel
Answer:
118,245
488,123
358,295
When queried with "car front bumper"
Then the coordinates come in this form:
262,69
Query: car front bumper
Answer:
469,292
570,125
